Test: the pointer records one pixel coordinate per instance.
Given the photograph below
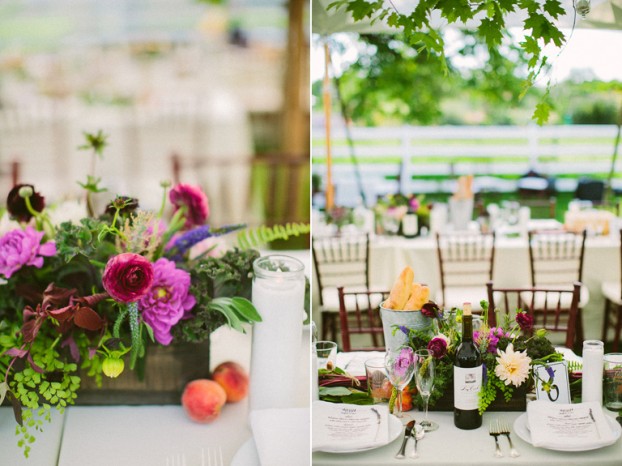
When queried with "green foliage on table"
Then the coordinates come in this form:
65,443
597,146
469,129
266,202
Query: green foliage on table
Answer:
347,395
489,18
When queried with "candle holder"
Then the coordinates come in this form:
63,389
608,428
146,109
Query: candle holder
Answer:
278,296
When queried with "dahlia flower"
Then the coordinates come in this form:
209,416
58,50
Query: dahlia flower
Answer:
19,248
512,366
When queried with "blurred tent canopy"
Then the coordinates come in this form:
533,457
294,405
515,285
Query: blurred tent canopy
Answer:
604,14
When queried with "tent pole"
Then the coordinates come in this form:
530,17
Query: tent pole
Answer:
330,194
614,158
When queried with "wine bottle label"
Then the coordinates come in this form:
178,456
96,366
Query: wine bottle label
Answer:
467,384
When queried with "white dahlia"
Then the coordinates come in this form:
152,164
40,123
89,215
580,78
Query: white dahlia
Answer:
512,366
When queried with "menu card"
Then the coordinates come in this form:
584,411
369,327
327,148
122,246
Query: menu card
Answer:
344,427
560,426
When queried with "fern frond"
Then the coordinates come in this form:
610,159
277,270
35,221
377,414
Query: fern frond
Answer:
255,237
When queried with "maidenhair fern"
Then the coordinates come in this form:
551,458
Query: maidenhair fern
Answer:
255,237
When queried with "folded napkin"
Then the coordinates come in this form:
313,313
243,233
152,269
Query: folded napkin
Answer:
282,436
354,363
345,427
562,426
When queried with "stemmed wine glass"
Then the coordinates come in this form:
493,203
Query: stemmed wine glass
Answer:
400,368
424,378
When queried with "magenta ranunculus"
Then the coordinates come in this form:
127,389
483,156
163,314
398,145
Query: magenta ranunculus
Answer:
168,301
195,200
23,247
127,277
438,347
524,321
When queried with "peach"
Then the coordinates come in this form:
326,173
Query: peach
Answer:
203,399
233,379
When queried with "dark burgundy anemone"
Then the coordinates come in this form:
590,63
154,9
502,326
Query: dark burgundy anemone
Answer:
431,310
16,205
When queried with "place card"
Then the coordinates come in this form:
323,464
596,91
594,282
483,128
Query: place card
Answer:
554,425
349,427
552,382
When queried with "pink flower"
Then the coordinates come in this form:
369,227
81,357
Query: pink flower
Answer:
127,277
438,346
524,321
168,301
23,247
194,200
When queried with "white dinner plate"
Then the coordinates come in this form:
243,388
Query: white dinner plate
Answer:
395,429
521,427
247,455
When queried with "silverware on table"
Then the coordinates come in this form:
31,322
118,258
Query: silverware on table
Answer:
214,457
504,429
418,433
493,430
407,431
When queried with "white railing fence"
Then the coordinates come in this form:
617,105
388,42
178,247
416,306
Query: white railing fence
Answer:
429,159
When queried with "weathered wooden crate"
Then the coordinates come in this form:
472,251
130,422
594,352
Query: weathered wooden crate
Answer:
167,371
517,403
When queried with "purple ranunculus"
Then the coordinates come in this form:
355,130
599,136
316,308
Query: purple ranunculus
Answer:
168,301
524,321
438,347
127,277
430,309
194,200
405,359
23,247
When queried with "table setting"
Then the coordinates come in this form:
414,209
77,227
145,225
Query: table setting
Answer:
466,393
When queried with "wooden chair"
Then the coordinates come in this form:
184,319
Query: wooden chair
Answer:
612,291
359,315
466,263
556,259
554,309
340,261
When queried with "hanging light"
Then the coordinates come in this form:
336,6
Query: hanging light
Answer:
582,7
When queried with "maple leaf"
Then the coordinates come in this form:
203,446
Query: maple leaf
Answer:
554,8
541,113
491,32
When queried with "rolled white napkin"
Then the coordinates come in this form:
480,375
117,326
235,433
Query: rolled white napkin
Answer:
345,427
559,426
282,436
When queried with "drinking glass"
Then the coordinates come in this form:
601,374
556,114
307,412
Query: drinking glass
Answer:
326,354
400,368
424,378
378,384
612,381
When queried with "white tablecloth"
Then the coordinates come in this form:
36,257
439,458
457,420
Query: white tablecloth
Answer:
451,446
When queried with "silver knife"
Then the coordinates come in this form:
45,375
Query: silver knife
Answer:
409,428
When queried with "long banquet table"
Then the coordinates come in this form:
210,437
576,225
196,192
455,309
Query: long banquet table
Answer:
452,446
389,255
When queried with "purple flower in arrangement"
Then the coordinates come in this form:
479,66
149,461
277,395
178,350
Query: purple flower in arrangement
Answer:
492,337
178,246
19,248
414,203
168,301
524,321
550,372
430,309
127,277
405,359
405,330
195,201
438,346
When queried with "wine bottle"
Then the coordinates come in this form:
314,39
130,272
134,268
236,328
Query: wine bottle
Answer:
467,377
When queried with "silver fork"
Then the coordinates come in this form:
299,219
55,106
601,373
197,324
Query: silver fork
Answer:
493,430
214,457
504,429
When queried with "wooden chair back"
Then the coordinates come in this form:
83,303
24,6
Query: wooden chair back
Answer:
359,315
341,261
556,257
465,259
554,309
